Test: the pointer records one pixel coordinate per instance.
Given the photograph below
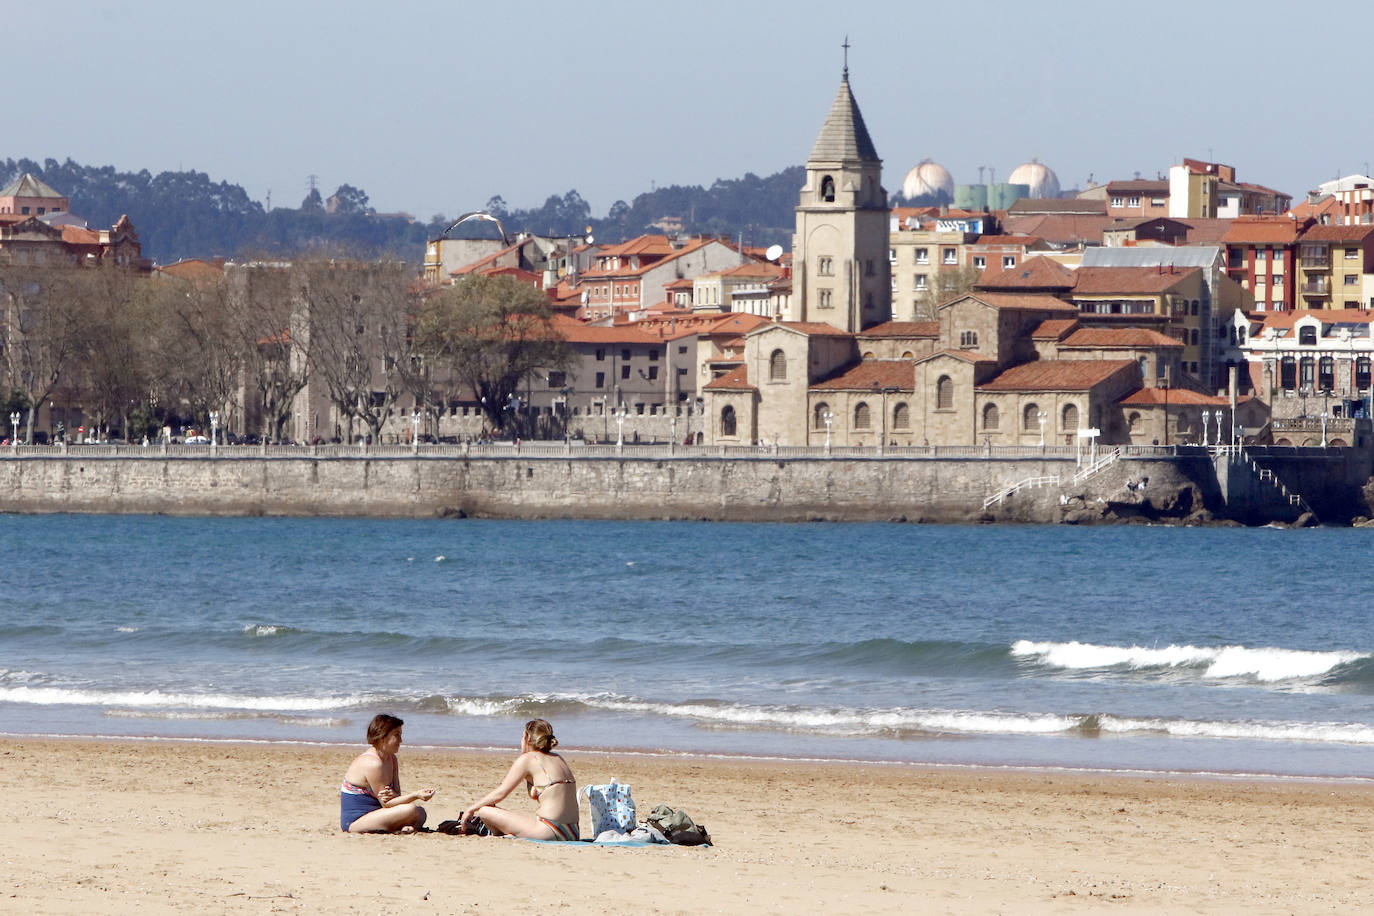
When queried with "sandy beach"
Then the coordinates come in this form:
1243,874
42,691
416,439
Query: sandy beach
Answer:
153,826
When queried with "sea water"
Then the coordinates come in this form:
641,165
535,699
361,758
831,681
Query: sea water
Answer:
1121,648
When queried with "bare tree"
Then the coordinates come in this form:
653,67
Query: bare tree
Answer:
947,285
275,346
491,332
43,329
110,374
356,318
194,358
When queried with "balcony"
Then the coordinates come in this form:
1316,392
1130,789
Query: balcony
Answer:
1317,286
1316,261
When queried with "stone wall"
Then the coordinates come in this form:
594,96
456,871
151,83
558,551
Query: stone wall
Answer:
755,489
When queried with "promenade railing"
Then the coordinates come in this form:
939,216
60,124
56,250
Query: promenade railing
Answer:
580,450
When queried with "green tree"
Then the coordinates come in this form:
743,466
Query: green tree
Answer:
490,333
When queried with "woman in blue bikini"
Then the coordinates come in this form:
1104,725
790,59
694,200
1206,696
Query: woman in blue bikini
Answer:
550,782
370,799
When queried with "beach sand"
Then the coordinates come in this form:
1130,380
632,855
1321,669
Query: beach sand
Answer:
154,826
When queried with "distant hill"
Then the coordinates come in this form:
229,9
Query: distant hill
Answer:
186,215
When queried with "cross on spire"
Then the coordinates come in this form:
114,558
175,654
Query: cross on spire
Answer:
846,57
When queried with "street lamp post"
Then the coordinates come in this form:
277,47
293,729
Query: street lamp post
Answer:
828,418
214,430
14,431
620,414
1220,413
1206,419
1325,417
415,431
1040,415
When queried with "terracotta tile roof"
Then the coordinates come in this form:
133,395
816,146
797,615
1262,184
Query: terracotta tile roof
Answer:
683,283
734,380
1109,281
870,374
1207,231
1286,320
645,265
75,235
1062,228
1021,240
733,322
590,333
1147,397
1057,375
1033,273
1306,210
1054,328
1026,301
1336,233
966,356
193,269
1275,230
902,329
480,263
757,269
813,328
1107,338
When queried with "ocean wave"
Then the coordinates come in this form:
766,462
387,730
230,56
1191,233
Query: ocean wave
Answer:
268,629
1323,732
158,699
1266,665
226,715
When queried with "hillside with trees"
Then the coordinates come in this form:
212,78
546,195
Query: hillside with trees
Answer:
188,215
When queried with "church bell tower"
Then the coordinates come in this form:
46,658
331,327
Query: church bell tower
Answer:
841,274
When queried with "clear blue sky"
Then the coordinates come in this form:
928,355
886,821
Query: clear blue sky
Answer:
433,107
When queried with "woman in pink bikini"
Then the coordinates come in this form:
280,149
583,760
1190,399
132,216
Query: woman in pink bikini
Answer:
550,782
370,799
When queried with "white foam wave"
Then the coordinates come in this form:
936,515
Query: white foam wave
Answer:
261,629
856,721
1262,664
156,699
168,715
1326,732
126,629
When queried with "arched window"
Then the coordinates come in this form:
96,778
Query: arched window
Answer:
1069,421
861,417
1144,367
828,189
907,354
1307,372
777,367
1326,373
1307,336
1134,422
968,339
819,414
1030,417
901,416
944,393
727,421
992,418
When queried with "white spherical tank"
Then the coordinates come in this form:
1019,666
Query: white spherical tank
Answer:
1040,177
928,178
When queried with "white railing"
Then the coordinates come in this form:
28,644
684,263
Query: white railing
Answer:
1030,483
1105,461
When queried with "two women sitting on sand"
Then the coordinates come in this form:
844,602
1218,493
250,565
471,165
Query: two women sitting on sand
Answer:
370,799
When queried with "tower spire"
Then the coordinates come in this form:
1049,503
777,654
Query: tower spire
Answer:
846,58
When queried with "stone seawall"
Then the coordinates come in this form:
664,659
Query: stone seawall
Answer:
754,489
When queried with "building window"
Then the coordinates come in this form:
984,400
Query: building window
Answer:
901,416
601,380
653,373
625,371
892,255
861,417
818,415
922,256
1307,336
1133,201
625,355
919,281
727,421
968,339
825,299
1352,254
777,366
1307,371
825,266
828,189
600,355
1288,373
1008,261
557,379
1326,373
1030,418
992,418
979,261
1362,373
1069,420
1117,201
1352,279
944,393
949,256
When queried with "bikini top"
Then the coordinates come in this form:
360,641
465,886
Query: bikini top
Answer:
535,791
348,788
